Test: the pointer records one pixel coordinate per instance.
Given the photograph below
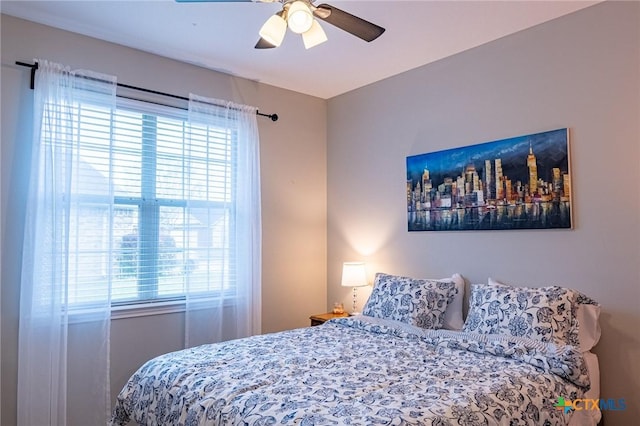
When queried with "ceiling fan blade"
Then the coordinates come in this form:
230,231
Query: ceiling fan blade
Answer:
348,22
264,44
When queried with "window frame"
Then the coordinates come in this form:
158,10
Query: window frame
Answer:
148,206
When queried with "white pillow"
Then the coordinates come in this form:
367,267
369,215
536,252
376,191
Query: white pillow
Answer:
588,324
587,315
453,315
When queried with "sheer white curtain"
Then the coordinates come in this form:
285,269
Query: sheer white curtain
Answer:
52,370
227,305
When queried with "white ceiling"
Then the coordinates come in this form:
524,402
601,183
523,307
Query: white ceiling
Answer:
221,36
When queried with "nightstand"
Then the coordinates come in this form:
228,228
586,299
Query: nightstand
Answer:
321,318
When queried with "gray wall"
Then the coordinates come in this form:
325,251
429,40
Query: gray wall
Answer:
581,71
293,157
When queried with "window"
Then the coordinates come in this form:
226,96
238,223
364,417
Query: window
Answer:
151,206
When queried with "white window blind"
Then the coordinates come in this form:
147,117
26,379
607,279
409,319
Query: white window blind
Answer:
151,203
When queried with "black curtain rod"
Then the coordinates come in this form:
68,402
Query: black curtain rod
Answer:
34,67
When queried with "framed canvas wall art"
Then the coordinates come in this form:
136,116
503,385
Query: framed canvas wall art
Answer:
522,182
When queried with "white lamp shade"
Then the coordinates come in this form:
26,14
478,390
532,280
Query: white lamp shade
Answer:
314,36
273,30
354,274
299,17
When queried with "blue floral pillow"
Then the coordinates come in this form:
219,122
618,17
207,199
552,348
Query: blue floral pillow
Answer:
418,302
586,313
547,314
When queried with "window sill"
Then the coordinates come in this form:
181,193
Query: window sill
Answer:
147,309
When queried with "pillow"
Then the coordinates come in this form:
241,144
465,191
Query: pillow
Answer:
587,316
588,325
453,315
413,301
545,314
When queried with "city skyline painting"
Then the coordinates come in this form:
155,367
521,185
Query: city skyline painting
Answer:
522,182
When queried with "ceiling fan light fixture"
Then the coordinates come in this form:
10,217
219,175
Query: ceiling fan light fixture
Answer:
314,36
273,30
299,17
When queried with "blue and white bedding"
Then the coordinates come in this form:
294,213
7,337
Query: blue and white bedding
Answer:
357,371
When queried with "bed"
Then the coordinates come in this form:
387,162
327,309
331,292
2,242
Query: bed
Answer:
394,365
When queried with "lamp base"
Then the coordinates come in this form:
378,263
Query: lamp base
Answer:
355,300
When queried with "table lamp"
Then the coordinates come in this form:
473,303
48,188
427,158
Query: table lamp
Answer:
354,275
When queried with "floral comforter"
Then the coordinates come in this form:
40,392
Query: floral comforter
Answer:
356,371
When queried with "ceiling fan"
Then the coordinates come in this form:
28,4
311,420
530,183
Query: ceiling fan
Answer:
299,16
